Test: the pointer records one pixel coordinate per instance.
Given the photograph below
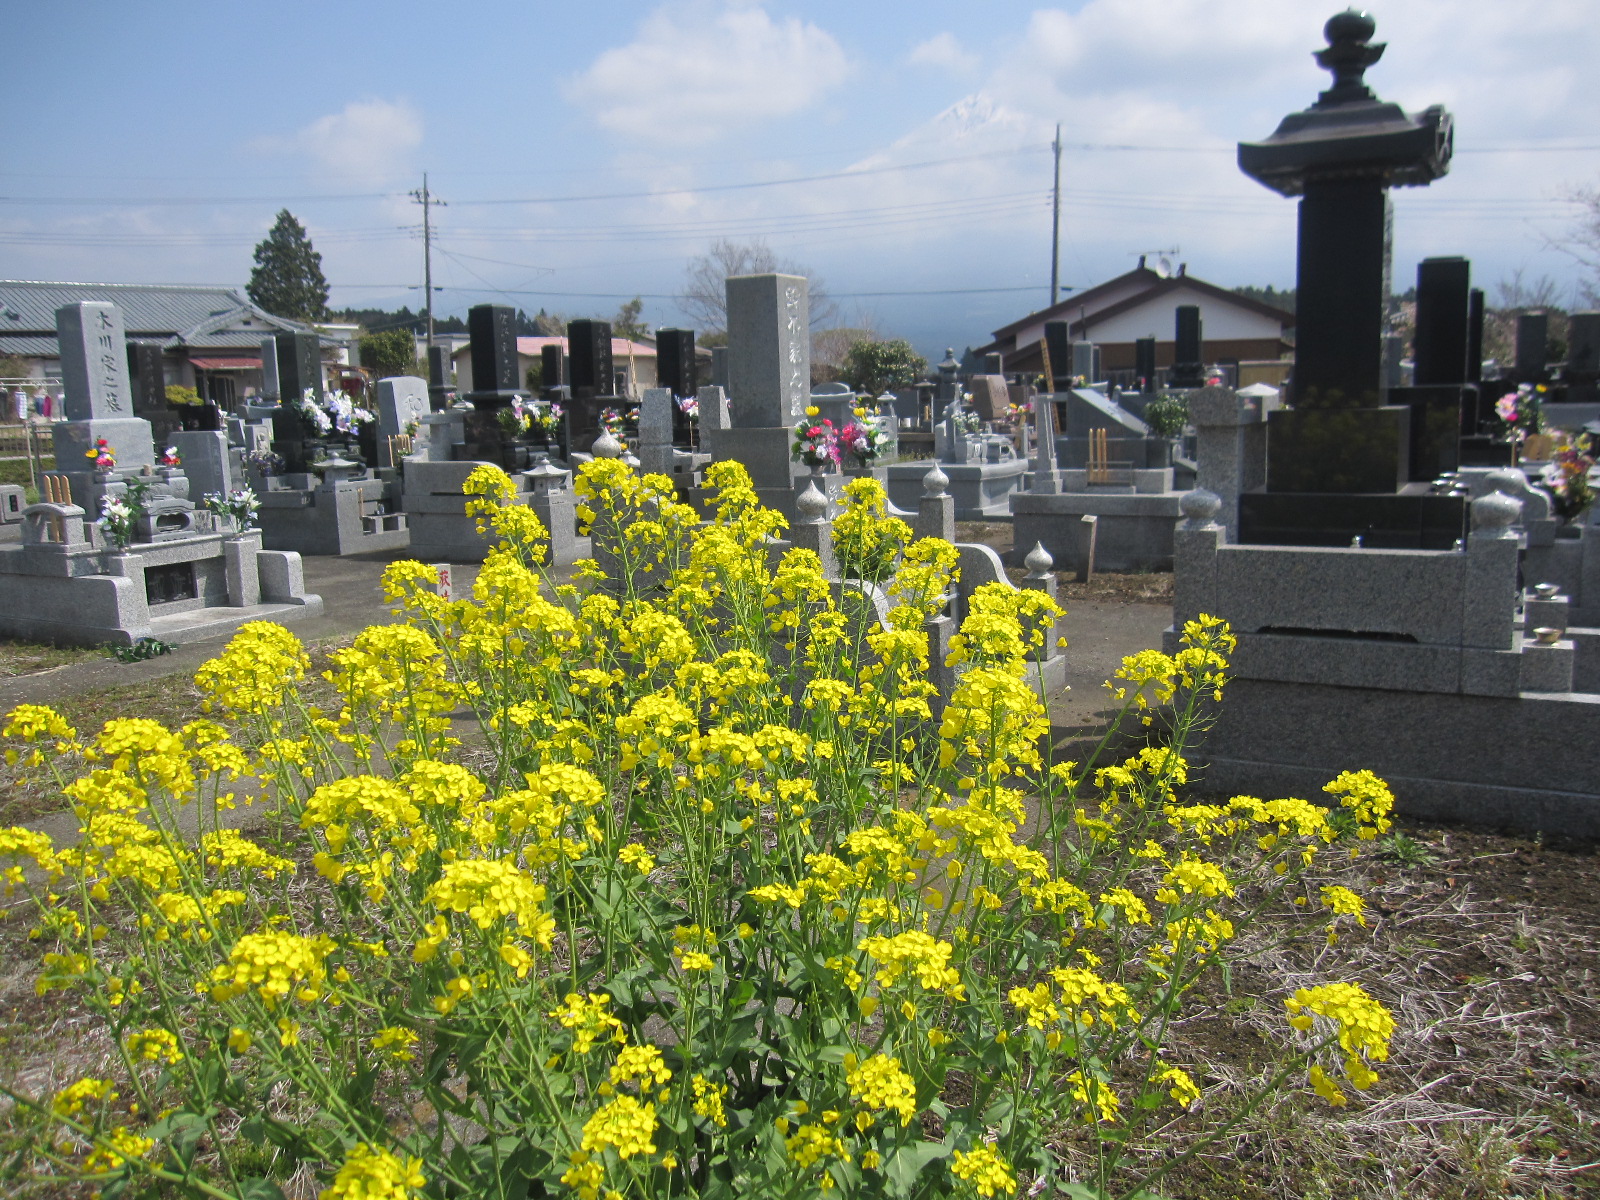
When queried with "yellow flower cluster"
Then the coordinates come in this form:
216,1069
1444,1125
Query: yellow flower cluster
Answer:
373,1173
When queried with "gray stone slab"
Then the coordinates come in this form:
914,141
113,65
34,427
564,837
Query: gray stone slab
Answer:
94,361
769,349
206,461
765,453
402,399
1527,762
1133,532
130,439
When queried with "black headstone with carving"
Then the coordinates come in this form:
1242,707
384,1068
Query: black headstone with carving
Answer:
591,377
299,365
590,371
1188,353
439,373
1144,363
1341,439
147,373
496,377
675,363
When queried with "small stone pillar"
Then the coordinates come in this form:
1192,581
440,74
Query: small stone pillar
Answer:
1194,557
813,531
936,514
1230,447
550,497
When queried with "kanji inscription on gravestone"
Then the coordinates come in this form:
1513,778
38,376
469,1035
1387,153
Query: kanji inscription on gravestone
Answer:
94,361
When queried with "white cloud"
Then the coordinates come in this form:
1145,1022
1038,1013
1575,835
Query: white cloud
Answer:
695,72
368,140
943,52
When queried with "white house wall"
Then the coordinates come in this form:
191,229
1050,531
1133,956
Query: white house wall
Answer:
1219,321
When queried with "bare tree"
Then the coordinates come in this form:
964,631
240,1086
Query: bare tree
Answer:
705,296
1582,242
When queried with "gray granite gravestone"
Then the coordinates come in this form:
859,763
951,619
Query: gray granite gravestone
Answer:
98,398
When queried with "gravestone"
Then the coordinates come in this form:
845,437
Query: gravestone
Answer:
656,409
1144,363
675,362
270,391
299,361
677,371
1582,370
1086,361
991,398
590,368
94,362
552,366
1443,294
1188,354
719,367
1340,156
98,398
992,364
439,372
1058,341
496,378
146,365
1475,336
769,349
1533,342
402,399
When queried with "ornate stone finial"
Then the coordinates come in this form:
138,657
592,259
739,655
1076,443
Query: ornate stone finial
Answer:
1350,52
1493,514
1038,561
606,446
1200,507
934,483
1508,481
812,505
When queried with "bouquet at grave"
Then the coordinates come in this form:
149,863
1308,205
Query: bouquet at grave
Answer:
1166,415
1521,412
265,462
967,420
117,519
689,406
514,420
183,397
546,419
171,458
103,457
1567,478
716,907
816,443
865,437
239,506
614,423
314,419
1018,413
346,416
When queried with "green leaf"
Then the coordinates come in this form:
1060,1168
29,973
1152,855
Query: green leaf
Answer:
902,1168
259,1189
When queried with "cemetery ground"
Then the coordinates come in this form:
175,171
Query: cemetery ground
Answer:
1485,947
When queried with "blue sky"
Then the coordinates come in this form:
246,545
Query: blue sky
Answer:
154,141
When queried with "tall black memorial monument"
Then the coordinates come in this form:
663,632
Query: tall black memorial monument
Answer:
1339,462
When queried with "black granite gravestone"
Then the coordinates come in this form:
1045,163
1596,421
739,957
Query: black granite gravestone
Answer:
1058,340
1475,336
439,373
1533,347
1188,354
589,363
1443,296
147,373
1144,363
677,372
299,365
496,376
992,364
551,363
1341,440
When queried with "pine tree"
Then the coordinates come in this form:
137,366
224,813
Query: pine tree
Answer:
287,279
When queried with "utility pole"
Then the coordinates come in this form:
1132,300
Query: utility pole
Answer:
1055,225
427,199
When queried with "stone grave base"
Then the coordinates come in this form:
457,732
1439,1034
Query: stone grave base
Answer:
1133,533
338,519
1528,761
230,581
981,490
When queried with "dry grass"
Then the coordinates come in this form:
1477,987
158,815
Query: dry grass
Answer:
30,658
1489,958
